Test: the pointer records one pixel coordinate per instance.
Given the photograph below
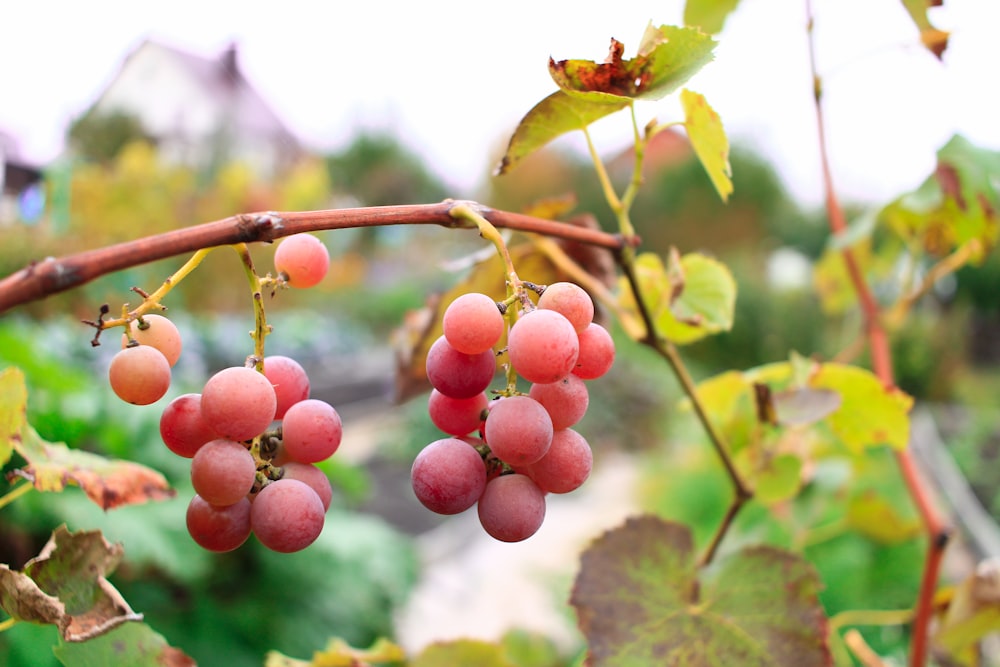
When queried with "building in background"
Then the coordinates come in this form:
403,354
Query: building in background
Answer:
21,189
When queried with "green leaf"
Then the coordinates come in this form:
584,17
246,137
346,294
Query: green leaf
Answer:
338,653
871,514
668,56
973,612
556,115
704,128
13,404
779,479
936,41
108,482
709,15
641,600
128,645
462,653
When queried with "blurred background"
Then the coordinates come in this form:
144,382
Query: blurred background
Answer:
145,121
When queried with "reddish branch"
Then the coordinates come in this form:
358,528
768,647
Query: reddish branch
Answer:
49,276
936,529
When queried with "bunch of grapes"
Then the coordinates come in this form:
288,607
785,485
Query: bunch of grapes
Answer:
253,436
523,445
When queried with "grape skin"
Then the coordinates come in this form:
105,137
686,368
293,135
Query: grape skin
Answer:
566,401
216,528
287,516
290,382
222,472
158,332
543,346
238,402
571,301
518,430
448,476
311,431
566,466
303,258
139,375
472,323
313,476
456,374
597,353
456,416
182,428
512,508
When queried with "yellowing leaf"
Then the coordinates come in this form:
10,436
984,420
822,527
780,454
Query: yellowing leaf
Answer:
339,653
974,612
869,413
704,128
779,479
936,41
462,653
709,15
13,403
872,515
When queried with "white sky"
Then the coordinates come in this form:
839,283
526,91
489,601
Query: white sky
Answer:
454,78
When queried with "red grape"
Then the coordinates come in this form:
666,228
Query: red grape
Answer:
218,528
456,416
238,402
597,353
543,346
289,379
303,259
448,476
159,332
311,431
571,301
139,375
565,466
456,374
518,430
472,323
287,516
313,476
182,427
566,401
222,472
512,508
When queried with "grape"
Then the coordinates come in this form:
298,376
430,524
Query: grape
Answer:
472,323
518,430
313,476
139,375
456,374
238,402
159,332
456,416
566,401
448,476
289,379
311,431
182,427
597,353
218,528
303,259
512,508
287,516
543,346
222,472
565,466
571,301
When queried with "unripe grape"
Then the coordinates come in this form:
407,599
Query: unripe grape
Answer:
543,346
311,431
216,528
182,427
222,472
512,508
472,323
238,402
303,258
518,430
289,379
448,476
287,516
597,353
159,332
457,374
139,375
569,300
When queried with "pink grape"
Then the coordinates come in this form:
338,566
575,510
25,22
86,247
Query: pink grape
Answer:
472,323
512,508
571,301
217,528
597,353
456,374
182,427
311,431
518,430
159,332
139,375
287,516
543,346
222,472
565,466
289,379
313,476
566,401
238,402
448,476
303,258
456,416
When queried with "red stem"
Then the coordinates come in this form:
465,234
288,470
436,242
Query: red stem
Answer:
935,528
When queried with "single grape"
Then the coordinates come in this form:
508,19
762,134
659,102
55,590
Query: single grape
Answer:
182,427
238,402
448,476
218,528
472,323
597,353
566,400
303,259
512,508
313,476
139,375
543,346
456,374
456,416
565,466
311,431
159,332
289,379
287,516
518,430
571,301
222,472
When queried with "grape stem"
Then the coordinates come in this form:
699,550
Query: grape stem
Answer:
15,493
7,624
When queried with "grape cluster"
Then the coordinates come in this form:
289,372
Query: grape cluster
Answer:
253,434
506,454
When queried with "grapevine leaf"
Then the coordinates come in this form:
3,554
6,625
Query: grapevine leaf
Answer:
972,613
779,479
128,645
339,653
704,128
640,600
709,15
668,56
65,585
872,515
936,41
108,482
462,653
556,115
13,403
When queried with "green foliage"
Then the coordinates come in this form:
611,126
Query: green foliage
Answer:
709,15
704,128
101,137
